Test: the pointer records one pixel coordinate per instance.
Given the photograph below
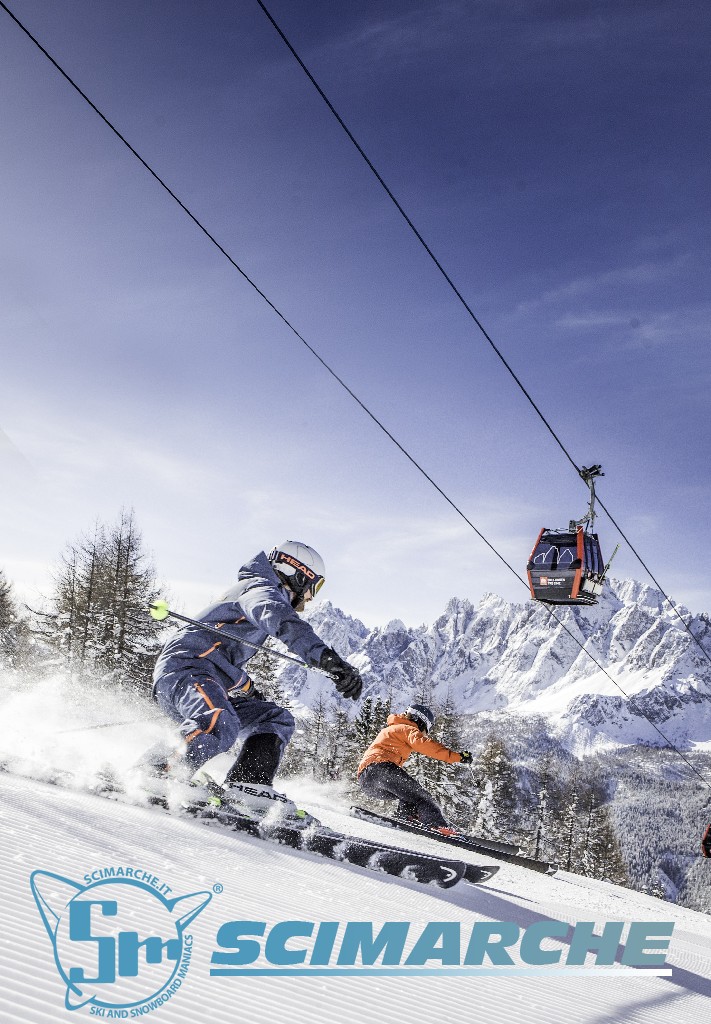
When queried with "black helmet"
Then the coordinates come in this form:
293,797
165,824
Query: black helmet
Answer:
422,716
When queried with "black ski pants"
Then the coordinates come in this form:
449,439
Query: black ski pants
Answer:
387,781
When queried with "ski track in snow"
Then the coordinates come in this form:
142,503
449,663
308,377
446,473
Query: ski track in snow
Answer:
70,833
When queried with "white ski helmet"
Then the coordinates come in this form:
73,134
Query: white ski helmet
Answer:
422,716
299,567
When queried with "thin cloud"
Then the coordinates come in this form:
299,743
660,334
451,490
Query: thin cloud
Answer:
645,272
12,459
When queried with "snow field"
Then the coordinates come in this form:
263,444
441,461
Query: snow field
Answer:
71,833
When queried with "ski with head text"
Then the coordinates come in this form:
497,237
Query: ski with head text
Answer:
316,838
507,852
366,853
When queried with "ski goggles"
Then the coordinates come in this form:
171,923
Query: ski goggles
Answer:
302,580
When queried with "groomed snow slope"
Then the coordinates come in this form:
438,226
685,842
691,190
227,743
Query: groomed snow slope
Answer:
71,833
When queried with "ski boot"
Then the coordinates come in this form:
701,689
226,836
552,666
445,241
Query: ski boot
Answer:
266,804
248,785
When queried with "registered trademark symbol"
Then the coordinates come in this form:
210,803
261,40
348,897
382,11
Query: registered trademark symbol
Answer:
218,887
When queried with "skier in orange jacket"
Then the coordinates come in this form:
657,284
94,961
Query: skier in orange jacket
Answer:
380,774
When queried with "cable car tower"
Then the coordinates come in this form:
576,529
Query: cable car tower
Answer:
566,566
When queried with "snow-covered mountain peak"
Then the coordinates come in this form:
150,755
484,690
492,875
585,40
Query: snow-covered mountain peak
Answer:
594,673
396,626
336,628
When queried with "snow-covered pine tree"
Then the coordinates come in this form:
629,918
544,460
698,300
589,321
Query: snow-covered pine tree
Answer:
97,622
543,845
263,667
342,754
8,611
371,718
568,825
364,723
381,711
496,785
14,633
131,635
600,855
308,749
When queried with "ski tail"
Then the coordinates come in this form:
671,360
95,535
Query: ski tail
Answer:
475,874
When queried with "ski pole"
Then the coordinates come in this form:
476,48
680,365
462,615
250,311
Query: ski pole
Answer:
159,611
107,725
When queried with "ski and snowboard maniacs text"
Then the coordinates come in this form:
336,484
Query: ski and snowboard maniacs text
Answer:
400,947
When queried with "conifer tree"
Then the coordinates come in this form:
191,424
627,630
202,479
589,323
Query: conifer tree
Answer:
569,825
543,840
312,742
263,667
496,783
600,855
364,723
341,754
8,612
381,711
14,633
98,621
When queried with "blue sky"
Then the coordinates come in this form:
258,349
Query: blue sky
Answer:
554,155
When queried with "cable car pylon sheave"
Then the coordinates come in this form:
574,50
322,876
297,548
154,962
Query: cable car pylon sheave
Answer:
566,566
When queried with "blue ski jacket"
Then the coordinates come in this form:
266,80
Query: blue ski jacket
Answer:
256,607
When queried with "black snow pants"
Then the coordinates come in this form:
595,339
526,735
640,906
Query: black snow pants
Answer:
387,781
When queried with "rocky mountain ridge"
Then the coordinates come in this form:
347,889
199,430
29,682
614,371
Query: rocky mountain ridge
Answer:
502,658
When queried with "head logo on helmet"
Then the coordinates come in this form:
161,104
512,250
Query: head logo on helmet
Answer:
422,716
300,568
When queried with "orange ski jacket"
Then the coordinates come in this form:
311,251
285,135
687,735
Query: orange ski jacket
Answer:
399,739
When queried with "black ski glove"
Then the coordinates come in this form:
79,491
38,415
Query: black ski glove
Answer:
465,757
347,680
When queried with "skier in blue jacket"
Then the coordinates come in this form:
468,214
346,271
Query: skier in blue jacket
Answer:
201,681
